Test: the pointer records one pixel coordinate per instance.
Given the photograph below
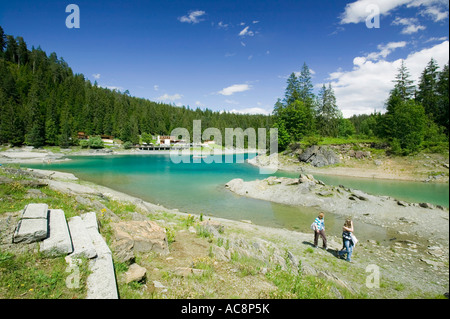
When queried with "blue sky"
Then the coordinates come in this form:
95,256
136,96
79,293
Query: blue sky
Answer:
236,55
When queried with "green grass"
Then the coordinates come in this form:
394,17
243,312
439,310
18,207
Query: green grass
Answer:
31,276
13,196
297,286
347,140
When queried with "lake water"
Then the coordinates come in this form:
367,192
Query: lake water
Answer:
199,188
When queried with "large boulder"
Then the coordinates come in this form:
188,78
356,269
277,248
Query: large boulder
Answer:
319,156
138,236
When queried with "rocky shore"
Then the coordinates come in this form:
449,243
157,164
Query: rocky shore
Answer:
343,160
409,269
423,220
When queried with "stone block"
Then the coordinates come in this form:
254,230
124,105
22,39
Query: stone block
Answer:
82,243
58,242
31,230
35,211
90,220
101,283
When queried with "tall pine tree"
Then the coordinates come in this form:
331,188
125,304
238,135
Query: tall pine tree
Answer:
328,113
428,87
403,84
292,89
306,94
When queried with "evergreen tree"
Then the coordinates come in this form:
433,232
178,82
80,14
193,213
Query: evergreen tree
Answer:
428,87
292,89
22,51
278,108
11,49
443,99
305,85
408,126
403,85
328,113
345,127
298,120
284,138
2,41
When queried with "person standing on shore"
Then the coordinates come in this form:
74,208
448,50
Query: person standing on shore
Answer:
319,225
347,231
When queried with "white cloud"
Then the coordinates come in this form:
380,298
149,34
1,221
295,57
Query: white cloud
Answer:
243,44
96,76
255,21
435,13
246,32
384,51
236,88
156,87
222,25
433,39
359,10
366,87
411,25
167,97
193,17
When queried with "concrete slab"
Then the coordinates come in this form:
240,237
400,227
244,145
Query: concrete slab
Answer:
34,211
31,230
81,241
101,283
90,220
59,242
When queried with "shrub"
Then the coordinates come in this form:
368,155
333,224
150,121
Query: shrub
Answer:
96,142
93,142
127,145
84,143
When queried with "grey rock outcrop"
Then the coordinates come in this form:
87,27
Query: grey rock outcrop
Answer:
138,236
319,156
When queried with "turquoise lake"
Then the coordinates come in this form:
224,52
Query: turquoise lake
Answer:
199,188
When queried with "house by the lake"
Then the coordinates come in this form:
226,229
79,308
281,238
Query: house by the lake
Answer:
166,140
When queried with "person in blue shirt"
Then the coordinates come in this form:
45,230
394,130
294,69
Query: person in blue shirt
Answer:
320,230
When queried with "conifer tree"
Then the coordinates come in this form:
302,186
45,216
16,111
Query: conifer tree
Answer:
306,94
403,84
292,89
2,41
428,87
328,113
